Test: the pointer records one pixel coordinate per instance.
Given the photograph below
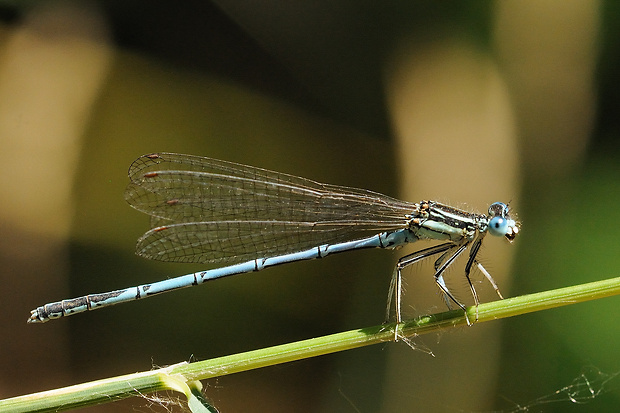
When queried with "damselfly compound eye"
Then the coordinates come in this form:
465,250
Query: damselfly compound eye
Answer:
498,226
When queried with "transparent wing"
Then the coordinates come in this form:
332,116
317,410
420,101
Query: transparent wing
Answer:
237,241
207,210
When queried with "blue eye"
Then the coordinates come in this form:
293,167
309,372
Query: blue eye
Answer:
498,226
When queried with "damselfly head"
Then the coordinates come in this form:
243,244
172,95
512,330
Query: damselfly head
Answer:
500,223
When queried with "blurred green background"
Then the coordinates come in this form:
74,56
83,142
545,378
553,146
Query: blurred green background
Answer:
464,102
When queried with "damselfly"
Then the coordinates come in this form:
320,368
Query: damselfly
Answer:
205,210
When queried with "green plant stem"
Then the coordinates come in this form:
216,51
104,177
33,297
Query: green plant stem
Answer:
178,376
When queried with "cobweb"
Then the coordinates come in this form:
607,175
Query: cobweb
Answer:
587,386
